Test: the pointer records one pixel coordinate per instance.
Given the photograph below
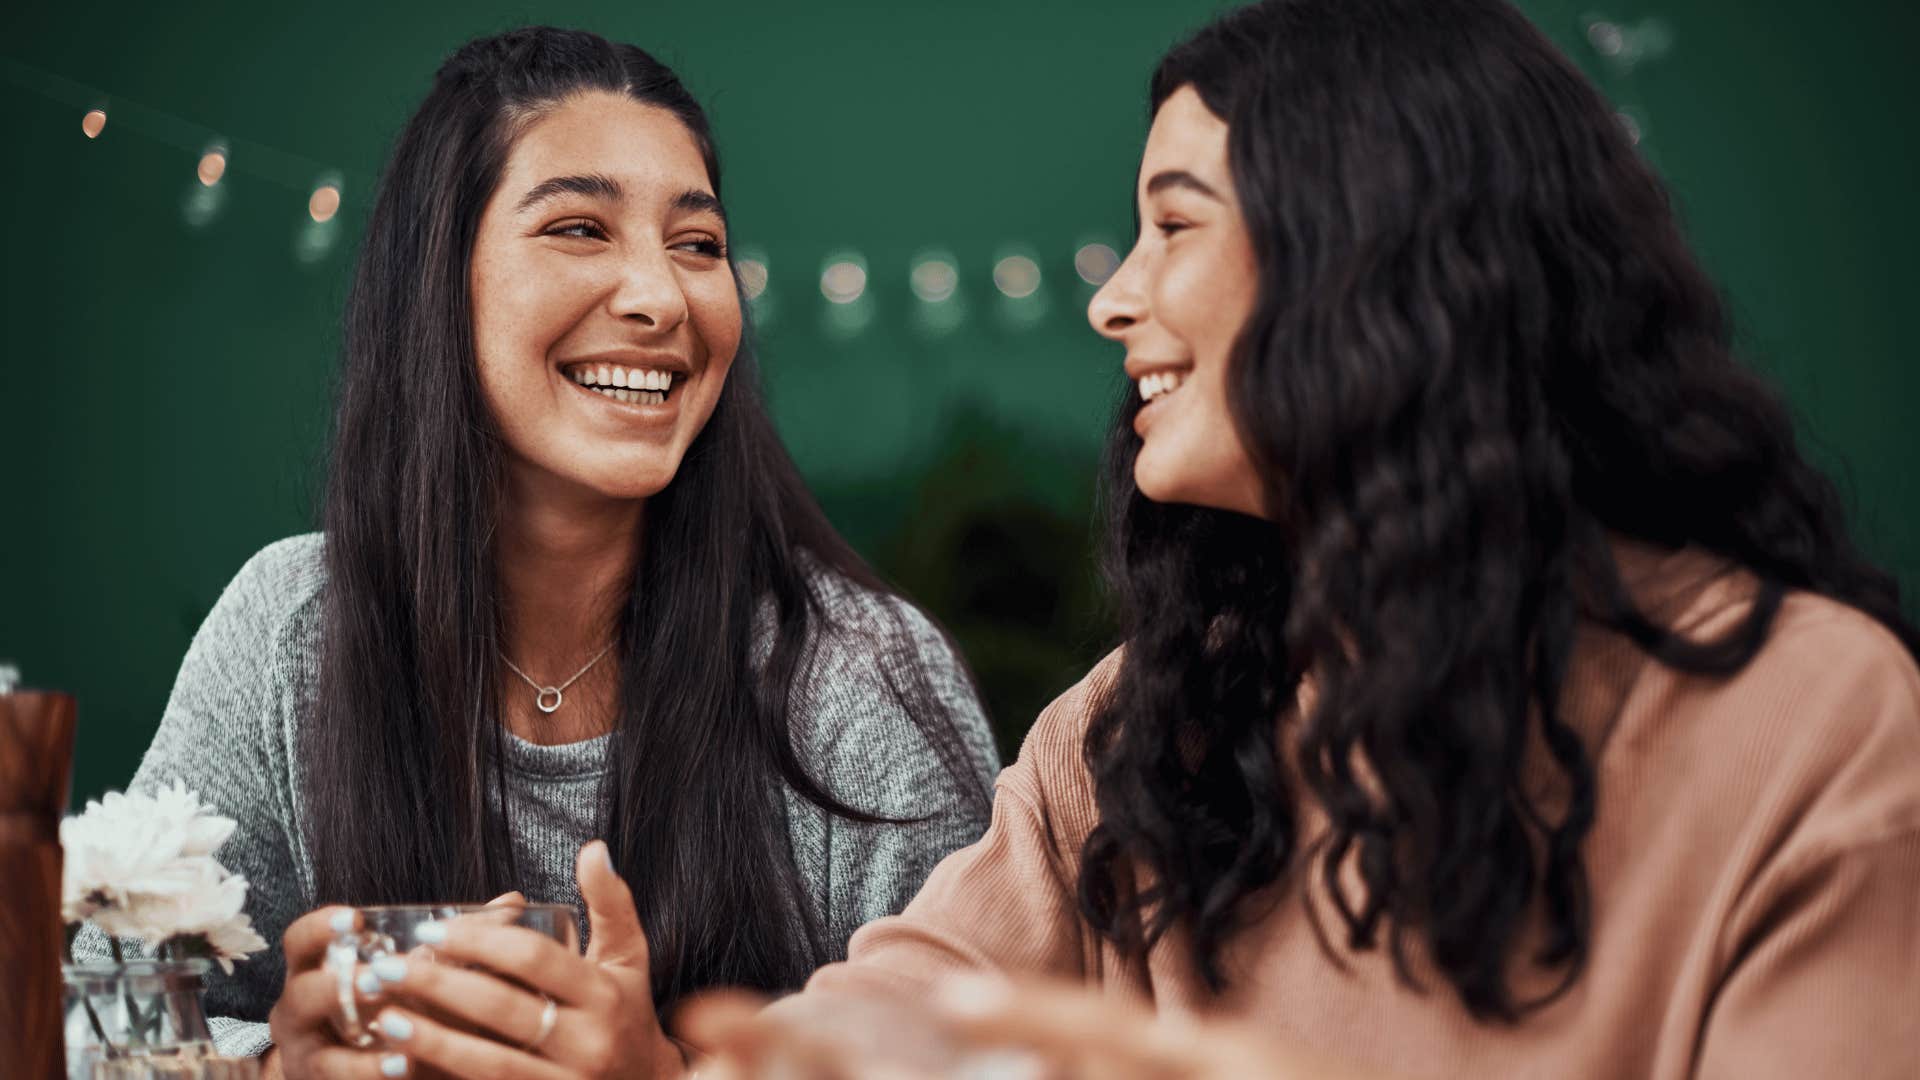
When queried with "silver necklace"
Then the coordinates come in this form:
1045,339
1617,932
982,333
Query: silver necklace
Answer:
541,693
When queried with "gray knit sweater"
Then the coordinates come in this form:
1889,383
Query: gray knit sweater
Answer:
230,731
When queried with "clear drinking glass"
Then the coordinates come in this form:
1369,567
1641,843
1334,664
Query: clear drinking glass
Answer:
140,1011
393,930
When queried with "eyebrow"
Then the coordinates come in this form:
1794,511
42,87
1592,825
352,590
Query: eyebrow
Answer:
1180,178
693,199
600,186
594,185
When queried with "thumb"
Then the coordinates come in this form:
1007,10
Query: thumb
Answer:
515,898
612,922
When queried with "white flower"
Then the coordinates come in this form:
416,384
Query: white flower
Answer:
203,920
142,866
136,845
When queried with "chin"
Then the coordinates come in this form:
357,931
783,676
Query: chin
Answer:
633,482
1154,483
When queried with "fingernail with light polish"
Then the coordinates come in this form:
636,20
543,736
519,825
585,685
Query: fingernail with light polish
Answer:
430,933
369,984
342,921
393,1065
389,968
396,1027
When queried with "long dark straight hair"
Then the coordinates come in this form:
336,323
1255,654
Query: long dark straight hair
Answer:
404,756
1481,346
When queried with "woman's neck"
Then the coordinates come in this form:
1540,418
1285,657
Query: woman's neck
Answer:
564,561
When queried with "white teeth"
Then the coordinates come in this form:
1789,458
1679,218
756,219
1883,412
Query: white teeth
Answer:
1160,382
638,385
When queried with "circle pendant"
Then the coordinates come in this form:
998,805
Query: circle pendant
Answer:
546,705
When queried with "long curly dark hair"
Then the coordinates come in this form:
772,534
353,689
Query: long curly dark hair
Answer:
1481,348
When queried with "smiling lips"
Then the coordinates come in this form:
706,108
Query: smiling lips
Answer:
633,386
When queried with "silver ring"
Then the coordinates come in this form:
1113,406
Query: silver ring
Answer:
342,956
549,1015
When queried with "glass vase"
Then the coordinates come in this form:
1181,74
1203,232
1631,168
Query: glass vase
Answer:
139,1011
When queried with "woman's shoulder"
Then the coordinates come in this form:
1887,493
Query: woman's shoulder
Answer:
1815,742
273,601
1843,695
279,581
1058,736
869,652
1051,773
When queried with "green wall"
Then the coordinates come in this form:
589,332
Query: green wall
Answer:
163,392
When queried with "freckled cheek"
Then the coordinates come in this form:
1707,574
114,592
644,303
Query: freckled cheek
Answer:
521,315
716,319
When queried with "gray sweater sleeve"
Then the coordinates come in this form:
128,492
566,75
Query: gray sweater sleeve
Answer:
224,734
861,741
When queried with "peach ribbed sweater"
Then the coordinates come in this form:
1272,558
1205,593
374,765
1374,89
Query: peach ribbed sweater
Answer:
1755,864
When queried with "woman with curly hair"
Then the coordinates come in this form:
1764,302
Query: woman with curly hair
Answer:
1501,691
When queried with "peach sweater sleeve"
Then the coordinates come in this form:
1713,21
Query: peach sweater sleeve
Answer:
1822,954
1009,901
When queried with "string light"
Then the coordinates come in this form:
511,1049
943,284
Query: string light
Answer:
1016,276
935,281
1631,126
94,123
213,165
753,277
844,280
1095,263
324,203
934,278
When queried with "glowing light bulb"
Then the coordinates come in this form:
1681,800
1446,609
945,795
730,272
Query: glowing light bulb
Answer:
935,279
1017,276
1095,263
843,281
213,166
324,203
753,277
1607,38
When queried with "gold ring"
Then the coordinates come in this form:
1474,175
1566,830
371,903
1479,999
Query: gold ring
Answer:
549,1015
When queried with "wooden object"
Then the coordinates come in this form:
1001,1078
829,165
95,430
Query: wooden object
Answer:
36,772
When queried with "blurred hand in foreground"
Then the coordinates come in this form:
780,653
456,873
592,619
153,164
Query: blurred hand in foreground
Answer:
977,1028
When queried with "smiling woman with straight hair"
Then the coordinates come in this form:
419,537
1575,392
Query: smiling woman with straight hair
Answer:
570,586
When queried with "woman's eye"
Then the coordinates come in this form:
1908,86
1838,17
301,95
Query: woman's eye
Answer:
585,229
704,245
1168,228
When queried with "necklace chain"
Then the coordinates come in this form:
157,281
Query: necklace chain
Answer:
541,693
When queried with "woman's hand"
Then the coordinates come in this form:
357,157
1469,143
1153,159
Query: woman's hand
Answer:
306,1044
306,1040
1035,1029
527,1006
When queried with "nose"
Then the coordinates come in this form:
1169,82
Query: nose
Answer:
1120,304
648,292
